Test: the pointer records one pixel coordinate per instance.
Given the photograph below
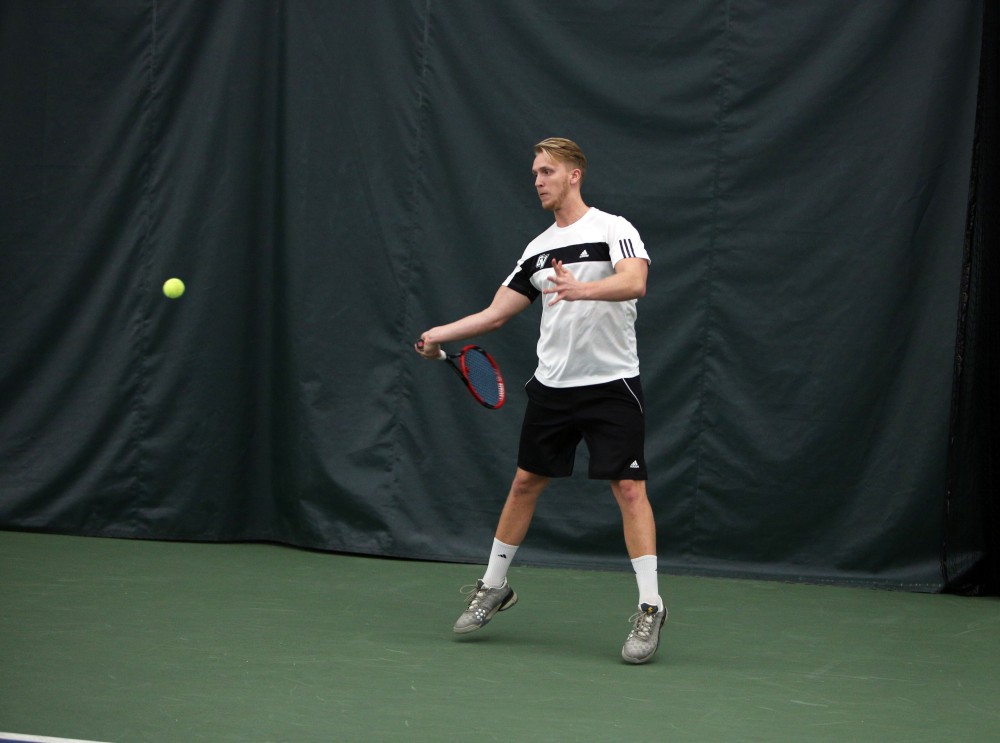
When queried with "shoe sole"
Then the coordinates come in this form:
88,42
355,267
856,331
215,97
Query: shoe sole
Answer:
502,606
640,661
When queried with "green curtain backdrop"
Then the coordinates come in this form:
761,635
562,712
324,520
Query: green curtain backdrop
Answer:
331,178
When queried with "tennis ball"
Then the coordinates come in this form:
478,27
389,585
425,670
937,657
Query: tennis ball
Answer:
173,288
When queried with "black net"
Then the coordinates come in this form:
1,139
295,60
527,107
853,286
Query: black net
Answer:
971,549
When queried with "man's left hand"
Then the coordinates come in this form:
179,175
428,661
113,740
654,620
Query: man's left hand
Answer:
565,286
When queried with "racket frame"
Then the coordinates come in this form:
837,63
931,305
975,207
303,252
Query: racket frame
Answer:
463,372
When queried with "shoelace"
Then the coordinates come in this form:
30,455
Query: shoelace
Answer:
643,625
475,595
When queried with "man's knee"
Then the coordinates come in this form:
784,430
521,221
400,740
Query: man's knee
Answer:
629,492
527,484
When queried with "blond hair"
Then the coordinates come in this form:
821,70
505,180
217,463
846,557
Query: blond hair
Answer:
564,150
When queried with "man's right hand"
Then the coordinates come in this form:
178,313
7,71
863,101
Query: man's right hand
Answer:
429,350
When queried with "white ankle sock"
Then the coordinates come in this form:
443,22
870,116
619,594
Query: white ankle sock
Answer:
645,577
500,559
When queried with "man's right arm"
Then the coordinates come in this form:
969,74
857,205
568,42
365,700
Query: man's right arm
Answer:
506,303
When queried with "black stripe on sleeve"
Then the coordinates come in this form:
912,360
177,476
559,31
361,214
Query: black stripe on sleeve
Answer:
521,280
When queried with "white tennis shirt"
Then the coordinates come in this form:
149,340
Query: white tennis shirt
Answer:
588,341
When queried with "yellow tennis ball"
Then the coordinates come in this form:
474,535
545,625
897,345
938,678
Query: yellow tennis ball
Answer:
173,288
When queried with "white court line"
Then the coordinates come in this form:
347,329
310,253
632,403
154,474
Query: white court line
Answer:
40,739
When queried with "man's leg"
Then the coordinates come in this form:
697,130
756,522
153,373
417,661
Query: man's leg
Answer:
640,540
637,517
640,536
520,506
514,522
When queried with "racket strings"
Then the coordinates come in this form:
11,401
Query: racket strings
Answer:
483,376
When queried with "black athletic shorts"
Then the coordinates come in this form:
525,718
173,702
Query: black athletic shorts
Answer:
609,417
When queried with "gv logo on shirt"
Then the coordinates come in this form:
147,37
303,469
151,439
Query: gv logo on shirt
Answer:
540,263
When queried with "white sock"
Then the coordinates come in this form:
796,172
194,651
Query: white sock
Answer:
500,559
645,577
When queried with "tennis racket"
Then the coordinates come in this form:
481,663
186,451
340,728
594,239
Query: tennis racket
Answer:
479,372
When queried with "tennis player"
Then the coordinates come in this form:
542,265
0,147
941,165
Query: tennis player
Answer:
590,268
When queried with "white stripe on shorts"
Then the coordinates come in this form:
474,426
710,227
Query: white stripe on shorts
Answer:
634,395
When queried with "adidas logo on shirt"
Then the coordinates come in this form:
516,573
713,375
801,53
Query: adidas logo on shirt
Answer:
584,254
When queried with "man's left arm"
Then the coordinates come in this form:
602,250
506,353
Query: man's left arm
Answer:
627,282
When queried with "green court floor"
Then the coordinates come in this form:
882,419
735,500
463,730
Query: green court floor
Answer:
124,641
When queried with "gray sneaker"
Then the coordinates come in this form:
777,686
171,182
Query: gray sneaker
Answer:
483,604
645,635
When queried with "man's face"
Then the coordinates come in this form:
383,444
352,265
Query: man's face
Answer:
552,181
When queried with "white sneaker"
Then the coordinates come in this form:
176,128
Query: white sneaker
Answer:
483,604
645,635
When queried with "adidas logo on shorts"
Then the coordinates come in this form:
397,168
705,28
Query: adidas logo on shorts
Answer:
634,465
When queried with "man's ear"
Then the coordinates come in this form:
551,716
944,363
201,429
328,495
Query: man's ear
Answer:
575,175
